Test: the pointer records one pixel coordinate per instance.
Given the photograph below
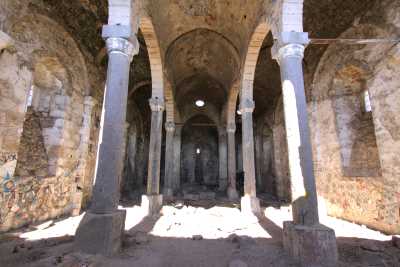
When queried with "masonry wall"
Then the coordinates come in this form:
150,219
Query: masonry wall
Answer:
354,151
48,148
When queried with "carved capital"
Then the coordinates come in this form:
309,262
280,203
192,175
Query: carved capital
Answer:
156,104
290,44
231,127
170,126
247,106
122,46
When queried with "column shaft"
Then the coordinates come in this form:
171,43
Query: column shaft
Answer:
177,157
247,107
232,191
153,177
169,158
109,162
223,164
303,188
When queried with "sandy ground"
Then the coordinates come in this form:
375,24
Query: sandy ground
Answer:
192,236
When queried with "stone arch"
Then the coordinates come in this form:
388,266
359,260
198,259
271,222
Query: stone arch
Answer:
189,67
27,31
161,87
250,62
211,112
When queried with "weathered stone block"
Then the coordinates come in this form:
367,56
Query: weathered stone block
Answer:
100,233
151,204
250,205
311,246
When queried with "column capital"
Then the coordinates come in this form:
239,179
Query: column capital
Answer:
122,46
156,104
290,44
170,126
231,127
247,106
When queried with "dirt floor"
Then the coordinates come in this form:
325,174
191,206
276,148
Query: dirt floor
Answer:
191,235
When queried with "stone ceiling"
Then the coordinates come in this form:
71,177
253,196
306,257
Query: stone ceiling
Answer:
234,20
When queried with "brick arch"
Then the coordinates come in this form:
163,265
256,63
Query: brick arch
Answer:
250,63
232,102
161,87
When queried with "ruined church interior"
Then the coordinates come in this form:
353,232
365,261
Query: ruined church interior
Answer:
237,133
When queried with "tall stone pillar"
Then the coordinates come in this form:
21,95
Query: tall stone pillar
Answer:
250,204
307,240
222,151
177,157
152,201
101,229
169,158
232,191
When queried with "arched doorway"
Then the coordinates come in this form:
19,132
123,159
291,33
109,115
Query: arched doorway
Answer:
199,161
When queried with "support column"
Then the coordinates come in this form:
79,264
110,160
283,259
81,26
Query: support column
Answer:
152,201
177,158
232,191
169,158
308,241
101,229
222,151
250,204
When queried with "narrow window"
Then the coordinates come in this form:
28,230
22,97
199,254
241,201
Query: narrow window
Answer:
29,98
367,102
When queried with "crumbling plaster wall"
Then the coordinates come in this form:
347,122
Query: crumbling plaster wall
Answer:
371,200
63,115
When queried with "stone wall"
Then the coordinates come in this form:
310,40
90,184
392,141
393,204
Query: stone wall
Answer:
15,80
203,167
354,151
55,156
27,200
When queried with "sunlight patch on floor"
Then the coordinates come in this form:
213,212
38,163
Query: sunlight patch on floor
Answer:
213,223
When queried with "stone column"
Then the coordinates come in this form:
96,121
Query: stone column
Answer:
223,164
320,249
152,201
169,158
232,191
250,204
177,157
101,229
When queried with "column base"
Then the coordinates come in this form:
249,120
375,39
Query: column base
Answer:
151,204
223,185
250,205
168,192
232,193
311,246
100,233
